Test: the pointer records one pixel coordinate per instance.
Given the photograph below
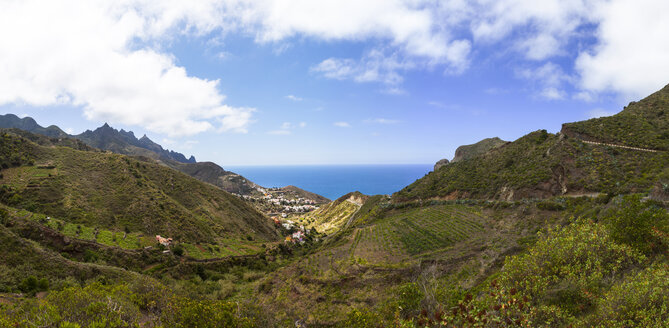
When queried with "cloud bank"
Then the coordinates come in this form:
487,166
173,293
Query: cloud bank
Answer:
109,58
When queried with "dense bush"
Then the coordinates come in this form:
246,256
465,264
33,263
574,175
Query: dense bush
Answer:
637,224
642,300
98,305
568,267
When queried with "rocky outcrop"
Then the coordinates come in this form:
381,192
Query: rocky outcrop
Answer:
440,163
479,148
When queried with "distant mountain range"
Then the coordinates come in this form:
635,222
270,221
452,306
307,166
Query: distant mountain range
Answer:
125,142
104,137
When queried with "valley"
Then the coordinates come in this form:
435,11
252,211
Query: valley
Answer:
548,230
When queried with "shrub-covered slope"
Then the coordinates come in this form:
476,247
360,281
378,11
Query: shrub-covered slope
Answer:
541,164
114,191
643,124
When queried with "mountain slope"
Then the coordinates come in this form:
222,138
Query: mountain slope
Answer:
114,191
125,142
212,173
643,124
337,214
541,164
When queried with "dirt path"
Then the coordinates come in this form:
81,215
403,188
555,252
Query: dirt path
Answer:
620,146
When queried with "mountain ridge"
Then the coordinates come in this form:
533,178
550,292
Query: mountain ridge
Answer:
543,165
124,142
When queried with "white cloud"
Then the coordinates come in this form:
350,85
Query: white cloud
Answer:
342,124
378,66
105,56
632,52
550,78
585,96
293,98
599,112
373,67
111,58
382,121
542,28
287,128
395,91
413,26
280,132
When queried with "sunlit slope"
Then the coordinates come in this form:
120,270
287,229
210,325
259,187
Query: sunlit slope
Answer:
332,217
543,165
643,124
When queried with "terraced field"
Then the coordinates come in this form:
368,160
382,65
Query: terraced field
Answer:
414,232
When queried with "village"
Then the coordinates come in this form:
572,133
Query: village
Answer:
296,234
278,201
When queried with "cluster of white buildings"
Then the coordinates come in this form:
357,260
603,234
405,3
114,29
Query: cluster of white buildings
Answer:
297,236
299,208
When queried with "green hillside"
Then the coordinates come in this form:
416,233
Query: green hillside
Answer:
335,215
541,165
643,124
112,191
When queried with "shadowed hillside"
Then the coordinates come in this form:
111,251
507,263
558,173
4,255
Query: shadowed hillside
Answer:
114,191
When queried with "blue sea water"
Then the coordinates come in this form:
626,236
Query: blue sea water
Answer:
334,181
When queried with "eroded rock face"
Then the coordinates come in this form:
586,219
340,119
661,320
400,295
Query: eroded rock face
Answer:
440,163
479,148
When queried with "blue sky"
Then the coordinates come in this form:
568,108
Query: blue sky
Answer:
279,82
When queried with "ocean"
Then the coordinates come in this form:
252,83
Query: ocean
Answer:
334,181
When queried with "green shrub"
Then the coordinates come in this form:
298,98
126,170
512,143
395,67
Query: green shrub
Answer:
550,206
183,313
361,318
28,284
641,300
567,267
178,250
409,298
90,255
4,216
633,223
